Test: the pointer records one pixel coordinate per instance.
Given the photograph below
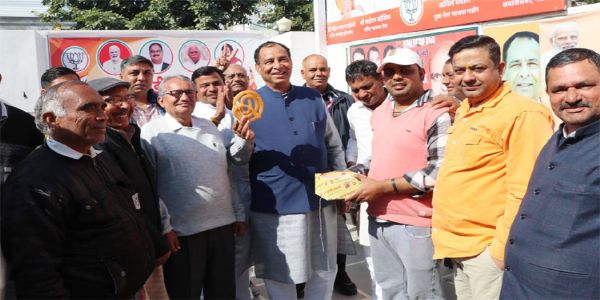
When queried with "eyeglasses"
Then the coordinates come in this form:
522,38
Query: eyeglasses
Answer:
178,93
232,76
118,99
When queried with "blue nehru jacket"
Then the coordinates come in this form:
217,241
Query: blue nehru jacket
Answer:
553,251
289,150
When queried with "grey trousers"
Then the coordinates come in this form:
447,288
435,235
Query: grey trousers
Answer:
402,259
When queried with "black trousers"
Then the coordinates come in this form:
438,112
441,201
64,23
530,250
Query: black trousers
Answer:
205,264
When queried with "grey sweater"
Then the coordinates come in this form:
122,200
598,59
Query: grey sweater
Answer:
192,169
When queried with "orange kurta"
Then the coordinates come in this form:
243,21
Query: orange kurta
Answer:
490,154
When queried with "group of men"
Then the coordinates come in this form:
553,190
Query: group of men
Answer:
480,158
474,199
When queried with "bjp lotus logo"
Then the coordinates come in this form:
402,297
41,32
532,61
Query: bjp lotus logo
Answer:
411,11
75,58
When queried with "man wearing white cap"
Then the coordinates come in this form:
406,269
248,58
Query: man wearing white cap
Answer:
402,175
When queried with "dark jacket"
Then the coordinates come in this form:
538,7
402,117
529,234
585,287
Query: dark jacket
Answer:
553,250
18,137
339,111
133,162
70,229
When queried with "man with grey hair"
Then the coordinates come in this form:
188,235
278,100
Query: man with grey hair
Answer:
113,65
562,37
194,58
194,182
71,225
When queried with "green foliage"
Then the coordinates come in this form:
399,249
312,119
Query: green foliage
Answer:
299,11
149,14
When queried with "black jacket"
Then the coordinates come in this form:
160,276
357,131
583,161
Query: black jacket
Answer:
140,173
18,137
70,229
339,111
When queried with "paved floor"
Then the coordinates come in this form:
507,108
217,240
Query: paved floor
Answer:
356,267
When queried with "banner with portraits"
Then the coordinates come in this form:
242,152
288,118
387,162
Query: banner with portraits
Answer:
99,54
433,49
353,20
528,47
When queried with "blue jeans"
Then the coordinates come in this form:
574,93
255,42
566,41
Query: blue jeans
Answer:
402,259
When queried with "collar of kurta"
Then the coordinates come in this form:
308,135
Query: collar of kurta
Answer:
580,133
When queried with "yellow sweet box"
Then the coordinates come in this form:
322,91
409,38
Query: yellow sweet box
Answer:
336,185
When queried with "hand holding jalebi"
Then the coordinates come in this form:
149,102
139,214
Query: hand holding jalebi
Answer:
248,104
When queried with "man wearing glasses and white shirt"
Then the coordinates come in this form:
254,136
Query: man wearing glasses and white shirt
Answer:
193,181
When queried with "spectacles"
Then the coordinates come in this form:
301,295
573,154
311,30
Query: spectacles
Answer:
232,76
178,93
118,99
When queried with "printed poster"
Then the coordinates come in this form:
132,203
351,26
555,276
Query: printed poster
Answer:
96,55
433,48
352,20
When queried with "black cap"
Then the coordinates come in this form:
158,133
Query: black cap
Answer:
102,85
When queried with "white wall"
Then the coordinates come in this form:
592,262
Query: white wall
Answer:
23,58
301,44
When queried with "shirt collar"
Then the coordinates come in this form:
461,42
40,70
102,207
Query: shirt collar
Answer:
3,110
491,101
417,103
581,132
330,91
568,135
174,125
69,152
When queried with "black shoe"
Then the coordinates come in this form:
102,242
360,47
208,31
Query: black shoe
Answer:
300,290
344,285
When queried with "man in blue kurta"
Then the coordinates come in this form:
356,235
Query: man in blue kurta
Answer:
294,232
552,251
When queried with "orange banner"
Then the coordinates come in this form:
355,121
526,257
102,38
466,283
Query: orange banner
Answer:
417,15
101,55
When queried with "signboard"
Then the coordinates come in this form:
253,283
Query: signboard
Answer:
352,20
101,54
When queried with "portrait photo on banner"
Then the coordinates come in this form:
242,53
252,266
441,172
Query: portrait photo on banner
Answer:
433,49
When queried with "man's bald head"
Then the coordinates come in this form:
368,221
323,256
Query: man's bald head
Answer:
315,72
237,78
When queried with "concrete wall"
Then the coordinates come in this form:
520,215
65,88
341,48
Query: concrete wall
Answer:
301,44
23,59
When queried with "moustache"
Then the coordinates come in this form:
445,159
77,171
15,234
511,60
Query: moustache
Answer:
575,105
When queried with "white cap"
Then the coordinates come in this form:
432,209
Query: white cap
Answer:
401,57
